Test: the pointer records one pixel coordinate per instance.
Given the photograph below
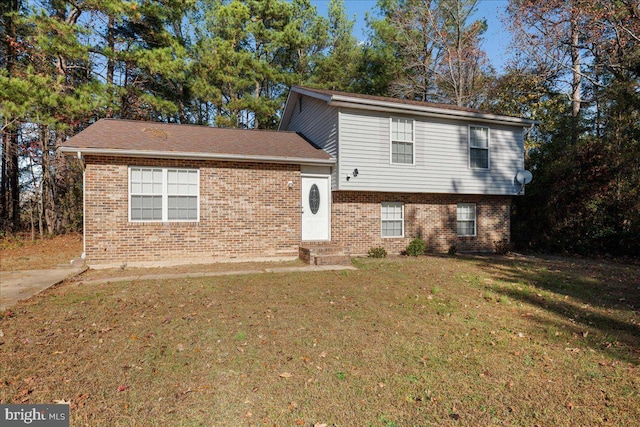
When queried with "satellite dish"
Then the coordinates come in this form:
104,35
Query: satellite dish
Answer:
524,177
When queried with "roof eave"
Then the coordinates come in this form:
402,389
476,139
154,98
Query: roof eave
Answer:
70,151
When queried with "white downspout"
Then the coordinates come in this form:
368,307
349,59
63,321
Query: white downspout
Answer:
84,208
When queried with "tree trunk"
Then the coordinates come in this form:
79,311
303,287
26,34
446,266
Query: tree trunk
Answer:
9,190
256,95
576,84
111,43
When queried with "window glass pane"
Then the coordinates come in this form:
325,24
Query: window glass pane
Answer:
479,158
172,181
136,202
479,137
147,181
183,208
193,177
402,152
146,208
182,182
392,228
401,130
465,228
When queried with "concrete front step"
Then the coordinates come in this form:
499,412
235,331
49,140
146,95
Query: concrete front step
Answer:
324,254
332,260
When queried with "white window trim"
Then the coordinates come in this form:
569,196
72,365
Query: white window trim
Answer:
382,220
391,141
481,148
475,220
165,195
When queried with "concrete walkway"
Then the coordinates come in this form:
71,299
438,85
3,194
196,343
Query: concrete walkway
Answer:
20,285
194,275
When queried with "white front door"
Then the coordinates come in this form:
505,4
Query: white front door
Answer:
316,208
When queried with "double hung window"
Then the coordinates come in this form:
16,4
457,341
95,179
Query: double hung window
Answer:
402,141
478,147
466,219
163,194
392,219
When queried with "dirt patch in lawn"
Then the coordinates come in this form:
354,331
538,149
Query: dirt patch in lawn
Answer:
17,253
431,341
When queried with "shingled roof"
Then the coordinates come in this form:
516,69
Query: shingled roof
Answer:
389,99
385,104
149,139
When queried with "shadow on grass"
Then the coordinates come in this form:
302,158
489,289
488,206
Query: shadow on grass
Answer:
596,301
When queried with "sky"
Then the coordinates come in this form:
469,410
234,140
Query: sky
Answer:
496,39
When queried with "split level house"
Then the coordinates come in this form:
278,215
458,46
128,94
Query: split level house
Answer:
344,171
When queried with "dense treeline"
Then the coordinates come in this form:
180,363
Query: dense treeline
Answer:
65,64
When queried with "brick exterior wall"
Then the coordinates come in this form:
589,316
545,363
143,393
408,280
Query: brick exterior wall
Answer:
356,221
246,210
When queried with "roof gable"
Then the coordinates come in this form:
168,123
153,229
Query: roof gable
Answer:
150,139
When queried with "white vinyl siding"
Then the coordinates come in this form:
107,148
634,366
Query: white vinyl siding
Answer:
392,214
478,147
402,141
163,194
441,157
466,213
319,124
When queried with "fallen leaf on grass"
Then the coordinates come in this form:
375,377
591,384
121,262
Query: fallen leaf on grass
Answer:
62,402
285,375
180,347
123,388
79,401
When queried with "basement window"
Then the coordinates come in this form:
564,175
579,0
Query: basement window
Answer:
392,219
163,194
466,219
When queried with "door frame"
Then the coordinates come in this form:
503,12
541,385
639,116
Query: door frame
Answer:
328,187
